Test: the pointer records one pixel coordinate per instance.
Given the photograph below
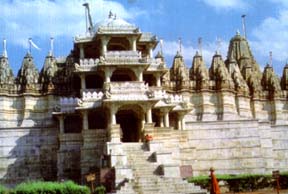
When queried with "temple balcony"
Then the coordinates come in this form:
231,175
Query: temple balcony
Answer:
87,65
67,104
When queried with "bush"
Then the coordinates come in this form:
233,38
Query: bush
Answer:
68,187
243,182
3,190
100,190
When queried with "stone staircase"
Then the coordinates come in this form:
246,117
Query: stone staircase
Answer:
146,175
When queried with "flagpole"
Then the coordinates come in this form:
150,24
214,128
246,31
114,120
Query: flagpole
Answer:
51,46
30,49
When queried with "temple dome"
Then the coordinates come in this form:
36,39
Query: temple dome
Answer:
113,23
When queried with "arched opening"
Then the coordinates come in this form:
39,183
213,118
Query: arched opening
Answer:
156,118
97,119
150,79
131,123
72,124
76,85
123,75
118,44
94,81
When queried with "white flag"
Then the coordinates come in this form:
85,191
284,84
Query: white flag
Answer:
33,44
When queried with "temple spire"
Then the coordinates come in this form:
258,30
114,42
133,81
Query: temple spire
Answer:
4,49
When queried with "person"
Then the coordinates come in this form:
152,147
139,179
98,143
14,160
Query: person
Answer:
214,183
148,138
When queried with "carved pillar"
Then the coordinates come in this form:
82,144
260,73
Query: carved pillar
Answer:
104,41
112,117
61,123
133,45
108,74
85,124
82,54
149,115
140,78
83,82
179,124
158,80
166,119
183,123
151,52
161,121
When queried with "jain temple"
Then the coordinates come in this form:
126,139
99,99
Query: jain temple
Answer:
90,112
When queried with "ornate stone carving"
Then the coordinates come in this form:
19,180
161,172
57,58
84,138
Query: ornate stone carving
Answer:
48,72
284,80
220,74
6,74
199,72
270,81
239,82
28,75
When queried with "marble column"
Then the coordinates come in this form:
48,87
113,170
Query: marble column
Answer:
150,52
85,120
83,81
166,119
149,115
82,54
158,81
179,123
161,121
61,123
113,117
183,123
104,41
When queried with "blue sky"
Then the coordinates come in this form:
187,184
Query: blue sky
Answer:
266,21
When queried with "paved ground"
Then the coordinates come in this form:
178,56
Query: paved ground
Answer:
263,192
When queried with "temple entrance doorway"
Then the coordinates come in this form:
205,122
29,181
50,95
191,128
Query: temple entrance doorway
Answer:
130,125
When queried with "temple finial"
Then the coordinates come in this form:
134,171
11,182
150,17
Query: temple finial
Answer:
161,46
270,59
180,45
4,49
51,46
219,43
200,45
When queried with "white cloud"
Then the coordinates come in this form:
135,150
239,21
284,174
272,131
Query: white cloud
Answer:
272,35
226,4
21,19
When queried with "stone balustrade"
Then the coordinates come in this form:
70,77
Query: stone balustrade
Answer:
127,87
169,98
92,95
129,90
122,57
118,29
156,64
89,62
68,104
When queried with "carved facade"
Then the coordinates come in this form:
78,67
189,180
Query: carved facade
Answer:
110,91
